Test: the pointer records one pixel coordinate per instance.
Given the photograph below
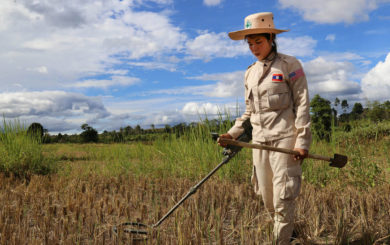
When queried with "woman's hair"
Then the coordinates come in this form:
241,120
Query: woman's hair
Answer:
268,36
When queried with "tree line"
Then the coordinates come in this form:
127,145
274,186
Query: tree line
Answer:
324,116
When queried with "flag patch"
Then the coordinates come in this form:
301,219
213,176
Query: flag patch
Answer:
296,74
277,78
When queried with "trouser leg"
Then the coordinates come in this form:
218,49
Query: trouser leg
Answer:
262,178
278,178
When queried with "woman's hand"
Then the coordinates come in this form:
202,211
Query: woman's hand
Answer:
302,154
225,136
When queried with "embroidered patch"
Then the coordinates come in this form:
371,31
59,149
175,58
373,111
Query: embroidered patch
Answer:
248,24
296,74
277,78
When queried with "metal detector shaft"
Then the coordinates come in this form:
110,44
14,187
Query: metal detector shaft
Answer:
270,148
195,187
338,160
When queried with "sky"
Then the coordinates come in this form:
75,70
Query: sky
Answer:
112,63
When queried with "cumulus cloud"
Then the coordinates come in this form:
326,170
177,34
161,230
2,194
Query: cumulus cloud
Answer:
51,105
229,84
332,11
376,83
193,108
48,43
226,85
209,45
329,78
299,46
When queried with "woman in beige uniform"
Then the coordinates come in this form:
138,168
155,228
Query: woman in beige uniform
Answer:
277,105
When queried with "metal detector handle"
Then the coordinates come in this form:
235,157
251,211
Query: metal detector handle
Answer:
271,148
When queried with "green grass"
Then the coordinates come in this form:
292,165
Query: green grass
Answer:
193,155
20,153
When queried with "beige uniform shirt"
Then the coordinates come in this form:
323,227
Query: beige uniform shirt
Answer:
278,104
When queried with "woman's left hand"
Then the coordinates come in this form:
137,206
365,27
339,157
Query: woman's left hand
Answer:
302,154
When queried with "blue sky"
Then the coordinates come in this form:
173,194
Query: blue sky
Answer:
116,63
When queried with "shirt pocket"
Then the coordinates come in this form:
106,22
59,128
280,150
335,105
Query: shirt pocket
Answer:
278,97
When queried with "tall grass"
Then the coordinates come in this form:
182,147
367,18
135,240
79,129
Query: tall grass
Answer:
20,153
194,154
191,155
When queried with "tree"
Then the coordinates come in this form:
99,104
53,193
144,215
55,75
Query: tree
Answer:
357,111
336,102
89,134
377,111
386,106
321,117
138,129
167,128
36,130
344,105
357,108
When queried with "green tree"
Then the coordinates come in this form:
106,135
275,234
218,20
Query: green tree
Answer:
167,128
89,134
36,130
376,111
357,108
138,129
344,105
357,111
321,117
336,102
386,106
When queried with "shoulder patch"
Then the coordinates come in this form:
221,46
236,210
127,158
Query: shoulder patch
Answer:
296,74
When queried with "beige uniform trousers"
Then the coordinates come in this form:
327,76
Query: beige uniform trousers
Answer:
277,178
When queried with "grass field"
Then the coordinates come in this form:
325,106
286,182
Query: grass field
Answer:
90,188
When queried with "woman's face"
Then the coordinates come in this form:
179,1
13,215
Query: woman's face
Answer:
259,46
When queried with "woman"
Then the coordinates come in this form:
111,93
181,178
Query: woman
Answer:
277,105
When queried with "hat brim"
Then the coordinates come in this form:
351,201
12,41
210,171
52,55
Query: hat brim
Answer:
240,35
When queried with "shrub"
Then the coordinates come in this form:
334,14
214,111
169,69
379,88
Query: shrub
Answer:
20,153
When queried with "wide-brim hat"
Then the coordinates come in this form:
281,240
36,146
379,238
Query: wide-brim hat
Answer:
256,24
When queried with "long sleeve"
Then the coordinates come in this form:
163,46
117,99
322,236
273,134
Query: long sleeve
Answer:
298,84
238,128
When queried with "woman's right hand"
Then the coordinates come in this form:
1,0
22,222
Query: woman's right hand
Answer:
225,136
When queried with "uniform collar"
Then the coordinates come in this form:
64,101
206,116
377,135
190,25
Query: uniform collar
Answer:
271,56
269,59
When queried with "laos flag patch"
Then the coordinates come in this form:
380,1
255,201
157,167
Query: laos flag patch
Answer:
277,78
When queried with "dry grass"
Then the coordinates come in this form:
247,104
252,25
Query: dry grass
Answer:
62,210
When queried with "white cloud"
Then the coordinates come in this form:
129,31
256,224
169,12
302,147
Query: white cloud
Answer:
193,108
74,39
327,77
209,45
229,84
40,69
330,37
51,104
332,11
156,65
212,2
376,83
299,46
105,83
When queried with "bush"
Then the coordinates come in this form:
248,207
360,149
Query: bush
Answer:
21,154
321,117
